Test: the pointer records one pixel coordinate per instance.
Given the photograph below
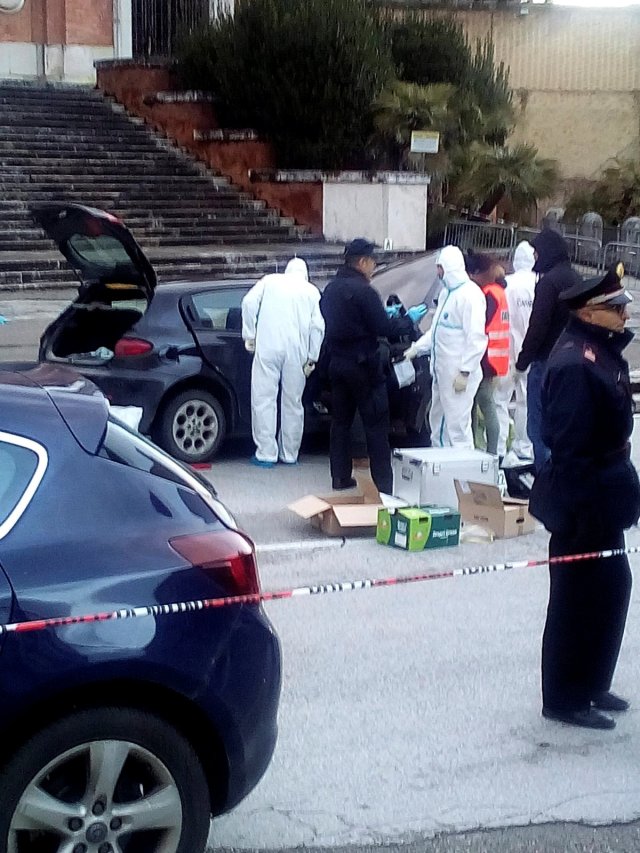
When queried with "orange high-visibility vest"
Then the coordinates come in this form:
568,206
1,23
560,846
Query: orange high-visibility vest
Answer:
497,330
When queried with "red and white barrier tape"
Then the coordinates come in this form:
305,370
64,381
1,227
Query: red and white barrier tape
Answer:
322,589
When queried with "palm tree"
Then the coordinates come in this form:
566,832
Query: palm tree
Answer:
490,174
402,108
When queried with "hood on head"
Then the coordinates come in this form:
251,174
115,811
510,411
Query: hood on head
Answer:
523,258
551,248
451,260
297,266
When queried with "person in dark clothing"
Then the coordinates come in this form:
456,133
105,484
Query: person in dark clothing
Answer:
548,318
587,494
355,319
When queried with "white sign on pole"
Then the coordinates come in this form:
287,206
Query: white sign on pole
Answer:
425,142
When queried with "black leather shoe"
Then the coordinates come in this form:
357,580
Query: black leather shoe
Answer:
607,701
341,485
590,719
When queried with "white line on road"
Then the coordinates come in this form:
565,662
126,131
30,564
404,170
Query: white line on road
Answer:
302,545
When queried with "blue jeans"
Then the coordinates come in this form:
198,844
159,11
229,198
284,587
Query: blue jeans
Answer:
534,413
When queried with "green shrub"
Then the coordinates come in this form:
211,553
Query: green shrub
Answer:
302,72
429,50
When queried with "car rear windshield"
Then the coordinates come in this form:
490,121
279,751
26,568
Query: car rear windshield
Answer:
21,468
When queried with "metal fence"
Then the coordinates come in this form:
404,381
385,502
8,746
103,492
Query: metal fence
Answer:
587,254
159,24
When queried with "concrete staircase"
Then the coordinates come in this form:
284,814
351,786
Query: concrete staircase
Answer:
65,143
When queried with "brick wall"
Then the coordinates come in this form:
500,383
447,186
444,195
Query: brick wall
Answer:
84,22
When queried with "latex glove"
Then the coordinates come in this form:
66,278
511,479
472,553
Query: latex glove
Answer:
3,320
411,353
392,310
308,368
416,313
250,345
460,382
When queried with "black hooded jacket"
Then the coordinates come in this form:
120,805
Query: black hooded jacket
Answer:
549,315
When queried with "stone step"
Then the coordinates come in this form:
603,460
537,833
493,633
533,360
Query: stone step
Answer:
76,145
114,169
123,181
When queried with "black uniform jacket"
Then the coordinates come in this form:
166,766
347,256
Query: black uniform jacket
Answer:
548,315
587,418
355,317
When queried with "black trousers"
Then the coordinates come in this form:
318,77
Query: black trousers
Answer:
362,388
587,611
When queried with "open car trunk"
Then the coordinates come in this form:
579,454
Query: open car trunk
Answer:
117,283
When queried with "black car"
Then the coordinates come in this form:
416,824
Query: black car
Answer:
176,349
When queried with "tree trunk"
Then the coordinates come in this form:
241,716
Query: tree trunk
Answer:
493,200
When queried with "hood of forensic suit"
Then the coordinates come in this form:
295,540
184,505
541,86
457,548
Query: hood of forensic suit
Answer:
451,260
523,259
297,266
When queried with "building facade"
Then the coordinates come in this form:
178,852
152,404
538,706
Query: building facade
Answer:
59,40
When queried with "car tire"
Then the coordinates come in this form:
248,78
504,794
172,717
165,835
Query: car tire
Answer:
109,770
192,426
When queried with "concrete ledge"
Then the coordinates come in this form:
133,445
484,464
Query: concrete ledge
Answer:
226,135
189,96
309,176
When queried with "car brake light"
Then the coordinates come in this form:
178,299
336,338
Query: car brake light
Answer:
126,347
226,555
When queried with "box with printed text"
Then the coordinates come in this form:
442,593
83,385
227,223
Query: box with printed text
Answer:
418,528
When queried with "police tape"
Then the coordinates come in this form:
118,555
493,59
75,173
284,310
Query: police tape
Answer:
278,595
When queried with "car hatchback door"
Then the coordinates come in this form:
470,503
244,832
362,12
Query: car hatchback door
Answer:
215,319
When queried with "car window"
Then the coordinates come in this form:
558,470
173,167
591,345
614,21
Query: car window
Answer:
218,309
22,466
100,250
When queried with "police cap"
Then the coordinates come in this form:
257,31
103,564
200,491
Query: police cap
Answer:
604,289
360,248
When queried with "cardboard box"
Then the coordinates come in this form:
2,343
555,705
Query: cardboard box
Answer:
354,514
482,504
424,476
418,528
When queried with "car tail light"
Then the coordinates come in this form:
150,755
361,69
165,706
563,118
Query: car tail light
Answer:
126,347
226,555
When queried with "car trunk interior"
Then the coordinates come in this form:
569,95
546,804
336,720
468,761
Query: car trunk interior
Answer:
89,329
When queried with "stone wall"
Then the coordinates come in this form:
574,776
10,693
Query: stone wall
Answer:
576,73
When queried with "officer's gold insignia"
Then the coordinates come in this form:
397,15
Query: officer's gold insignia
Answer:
620,270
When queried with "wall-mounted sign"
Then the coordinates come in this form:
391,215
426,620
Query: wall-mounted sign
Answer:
425,142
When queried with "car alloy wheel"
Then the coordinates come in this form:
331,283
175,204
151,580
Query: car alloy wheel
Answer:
127,791
117,794
195,427
192,426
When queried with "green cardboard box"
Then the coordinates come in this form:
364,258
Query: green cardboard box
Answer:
418,527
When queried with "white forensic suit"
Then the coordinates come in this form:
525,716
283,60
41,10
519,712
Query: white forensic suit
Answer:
457,342
281,318
520,291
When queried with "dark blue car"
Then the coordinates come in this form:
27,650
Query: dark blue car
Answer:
120,735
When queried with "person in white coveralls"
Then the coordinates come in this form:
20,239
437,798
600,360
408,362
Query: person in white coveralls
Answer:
520,291
457,342
284,328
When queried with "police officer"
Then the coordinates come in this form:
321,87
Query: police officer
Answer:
586,495
355,319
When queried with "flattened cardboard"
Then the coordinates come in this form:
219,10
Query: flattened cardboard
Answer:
355,514
482,504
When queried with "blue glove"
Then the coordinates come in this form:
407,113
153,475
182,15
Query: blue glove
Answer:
3,320
416,313
392,310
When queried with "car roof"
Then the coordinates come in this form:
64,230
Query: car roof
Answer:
191,285
34,401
